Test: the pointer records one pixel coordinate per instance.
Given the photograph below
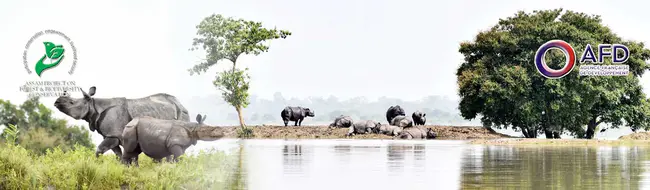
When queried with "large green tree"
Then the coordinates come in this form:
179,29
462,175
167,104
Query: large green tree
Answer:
227,38
499,82
38,130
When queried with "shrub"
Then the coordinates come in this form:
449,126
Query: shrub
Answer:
80,169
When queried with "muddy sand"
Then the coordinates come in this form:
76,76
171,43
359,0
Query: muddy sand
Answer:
325,132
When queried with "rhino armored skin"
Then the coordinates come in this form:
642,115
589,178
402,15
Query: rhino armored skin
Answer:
342,121
363,127
158,138
394,111
390,130
402,121
296,114
417,133
108,116
419,118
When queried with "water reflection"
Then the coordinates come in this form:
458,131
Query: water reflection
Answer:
330,164
498,167
322,164
342,149
293,160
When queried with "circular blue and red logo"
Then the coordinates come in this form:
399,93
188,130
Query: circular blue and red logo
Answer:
543,68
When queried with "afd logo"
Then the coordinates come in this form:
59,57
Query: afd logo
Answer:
588,56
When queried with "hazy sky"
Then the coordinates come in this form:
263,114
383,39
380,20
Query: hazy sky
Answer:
345,48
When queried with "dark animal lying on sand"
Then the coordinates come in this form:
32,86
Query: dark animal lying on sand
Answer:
388,130
402,121
417,133
362,127
342,121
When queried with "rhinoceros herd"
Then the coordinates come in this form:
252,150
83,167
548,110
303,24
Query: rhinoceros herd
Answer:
398,125
159,126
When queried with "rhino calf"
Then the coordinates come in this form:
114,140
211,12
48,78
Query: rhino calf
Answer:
158,138
342,122
362,127
394,111
390,130
402,121
296,114
419,118
417,133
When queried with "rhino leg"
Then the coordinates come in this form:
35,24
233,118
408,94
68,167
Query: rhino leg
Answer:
176,151
300,122
132,156
117,151
286,122
296,123
107,144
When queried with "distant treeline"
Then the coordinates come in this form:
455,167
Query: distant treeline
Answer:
440,110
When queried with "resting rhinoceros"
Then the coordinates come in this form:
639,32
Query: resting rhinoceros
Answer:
342,121
362,127
394,111
296,114
402,121
417,132
109,115
391,130
419,118
159,138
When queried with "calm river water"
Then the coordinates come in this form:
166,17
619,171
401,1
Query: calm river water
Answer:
435,164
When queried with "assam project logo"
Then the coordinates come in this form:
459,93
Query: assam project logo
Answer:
46,51
588,56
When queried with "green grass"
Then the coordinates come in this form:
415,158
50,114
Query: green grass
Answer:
79,169
245,132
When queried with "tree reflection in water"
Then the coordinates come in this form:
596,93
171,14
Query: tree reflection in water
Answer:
498,167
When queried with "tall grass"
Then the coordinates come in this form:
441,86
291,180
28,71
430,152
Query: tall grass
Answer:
80,169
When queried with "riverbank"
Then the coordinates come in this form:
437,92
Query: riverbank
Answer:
561,142
325,132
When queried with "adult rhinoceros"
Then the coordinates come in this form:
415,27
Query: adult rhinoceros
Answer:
109,115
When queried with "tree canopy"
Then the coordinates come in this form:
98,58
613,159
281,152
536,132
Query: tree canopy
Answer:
227,38
498,80
40,131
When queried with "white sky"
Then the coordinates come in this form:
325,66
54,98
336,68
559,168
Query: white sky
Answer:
345,48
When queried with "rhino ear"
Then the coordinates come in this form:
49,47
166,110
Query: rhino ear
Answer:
198,118
86,96
424,114
203,120
91,91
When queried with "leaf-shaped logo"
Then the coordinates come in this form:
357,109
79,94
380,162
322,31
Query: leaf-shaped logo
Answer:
53,52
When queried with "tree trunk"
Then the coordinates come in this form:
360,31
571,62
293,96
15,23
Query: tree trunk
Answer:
548,133
591,128
529,133
241,118
525,132
556,135
532,133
